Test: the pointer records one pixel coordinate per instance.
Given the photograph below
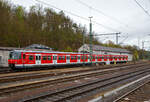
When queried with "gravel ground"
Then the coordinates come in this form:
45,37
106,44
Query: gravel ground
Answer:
140,95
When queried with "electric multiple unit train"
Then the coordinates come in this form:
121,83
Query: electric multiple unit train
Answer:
19,59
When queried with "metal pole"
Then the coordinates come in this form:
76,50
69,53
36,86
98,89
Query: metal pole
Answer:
142,49
83,50
91,47
117,37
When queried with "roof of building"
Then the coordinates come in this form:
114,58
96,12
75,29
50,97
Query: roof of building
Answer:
9,48
110,49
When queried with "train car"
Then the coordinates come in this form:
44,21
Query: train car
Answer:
26,59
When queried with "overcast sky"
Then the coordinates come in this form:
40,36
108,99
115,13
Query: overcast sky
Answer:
123,16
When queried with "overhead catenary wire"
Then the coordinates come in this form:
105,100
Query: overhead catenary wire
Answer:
123,40
142,7
73,14
100,12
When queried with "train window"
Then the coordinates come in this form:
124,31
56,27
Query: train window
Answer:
71,57
31,58
15,55
82,57
54,57
63,57
19,55
93,57
39,57
24,56
49,58
78,57
68,57
59,58
36,57
44,57
11,55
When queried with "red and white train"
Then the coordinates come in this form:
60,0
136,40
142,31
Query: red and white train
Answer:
26,59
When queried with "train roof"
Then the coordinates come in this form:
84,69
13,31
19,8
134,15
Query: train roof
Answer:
38,46
56,52
46,51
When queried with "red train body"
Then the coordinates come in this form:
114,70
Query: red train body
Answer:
28,59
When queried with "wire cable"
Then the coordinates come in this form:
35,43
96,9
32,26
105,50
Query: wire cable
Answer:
142,7
100,12
84,18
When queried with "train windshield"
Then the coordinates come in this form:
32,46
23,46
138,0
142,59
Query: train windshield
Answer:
15,55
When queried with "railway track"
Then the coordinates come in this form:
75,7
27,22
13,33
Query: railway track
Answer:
4,70
21,87
38,74
69,93
84,73
8,70
119,99
18,87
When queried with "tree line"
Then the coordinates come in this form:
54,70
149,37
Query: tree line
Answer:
20,28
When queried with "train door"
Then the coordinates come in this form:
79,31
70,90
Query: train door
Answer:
54,59
24,61
38,59
68,59
78,58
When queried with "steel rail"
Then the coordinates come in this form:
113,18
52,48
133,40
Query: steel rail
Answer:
46,74
83,88
21,87
127,93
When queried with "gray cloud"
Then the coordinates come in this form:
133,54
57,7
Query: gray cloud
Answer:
133,20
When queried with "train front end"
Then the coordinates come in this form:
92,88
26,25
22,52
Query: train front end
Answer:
14,59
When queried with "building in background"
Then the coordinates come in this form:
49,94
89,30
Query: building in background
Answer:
4,52
4,55
97,49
